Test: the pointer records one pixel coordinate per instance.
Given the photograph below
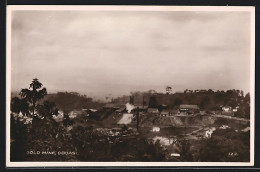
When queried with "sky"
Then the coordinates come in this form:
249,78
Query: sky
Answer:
111,53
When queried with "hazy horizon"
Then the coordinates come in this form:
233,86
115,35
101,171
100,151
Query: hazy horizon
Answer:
111,53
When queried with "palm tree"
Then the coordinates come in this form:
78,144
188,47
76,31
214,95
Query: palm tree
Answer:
34,93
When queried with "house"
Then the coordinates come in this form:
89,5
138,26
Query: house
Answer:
156,129
175,154
234,110
174,112
188,108
226,108
165,113
153,110
89,110
111,106
224,127
209,132
227,111
74,114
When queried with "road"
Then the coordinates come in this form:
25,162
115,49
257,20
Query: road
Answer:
231,117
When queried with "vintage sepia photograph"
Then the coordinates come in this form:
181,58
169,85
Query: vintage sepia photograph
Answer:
130,86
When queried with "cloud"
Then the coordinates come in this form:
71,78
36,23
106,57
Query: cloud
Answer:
118,52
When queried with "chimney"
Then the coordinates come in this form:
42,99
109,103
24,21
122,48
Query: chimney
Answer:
132,100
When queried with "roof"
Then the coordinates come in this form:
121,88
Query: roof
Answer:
141,106
226,106
165,112
110,105
152,110
119,106
189,107
163,105
120,110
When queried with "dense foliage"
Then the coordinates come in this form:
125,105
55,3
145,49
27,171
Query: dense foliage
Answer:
36,136
68,101
93,147
226,146
207,100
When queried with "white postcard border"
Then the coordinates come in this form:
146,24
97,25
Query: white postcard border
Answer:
11,8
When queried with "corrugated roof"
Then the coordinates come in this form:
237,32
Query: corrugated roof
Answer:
110,105
152,110
189,107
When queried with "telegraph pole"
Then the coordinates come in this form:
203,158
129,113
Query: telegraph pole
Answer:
137,118
143,101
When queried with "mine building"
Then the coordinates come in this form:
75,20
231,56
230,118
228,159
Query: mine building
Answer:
188,108
153,110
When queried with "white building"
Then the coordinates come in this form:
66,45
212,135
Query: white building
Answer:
226,108
156,129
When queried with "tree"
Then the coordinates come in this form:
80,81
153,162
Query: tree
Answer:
33,94
153,102
184,147
48,109
43,133
168,90
224,143
66,119
244,107
210,91
132,100
177,101
19,105
204,102
247,98
18,140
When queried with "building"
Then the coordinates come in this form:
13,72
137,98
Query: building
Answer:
141,108
153,110
156,129
188,108
226,109
165,113
111,106
74,114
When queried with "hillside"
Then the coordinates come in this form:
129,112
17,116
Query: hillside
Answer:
190,121
206,100
70,101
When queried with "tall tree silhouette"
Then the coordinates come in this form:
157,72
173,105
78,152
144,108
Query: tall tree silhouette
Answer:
168,90
33,94
153,102
47,109
20,105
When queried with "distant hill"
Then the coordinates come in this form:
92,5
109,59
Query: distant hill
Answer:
206,99
72,101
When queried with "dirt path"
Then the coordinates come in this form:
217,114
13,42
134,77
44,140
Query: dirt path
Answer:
231,117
